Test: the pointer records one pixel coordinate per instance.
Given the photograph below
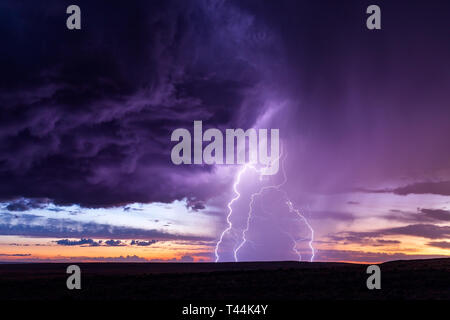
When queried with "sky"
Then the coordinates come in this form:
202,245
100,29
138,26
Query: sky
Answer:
86,118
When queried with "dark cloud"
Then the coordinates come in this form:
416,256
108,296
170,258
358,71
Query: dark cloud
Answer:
440,244
87,117
387,242
143,243
440,188
422,215
436,214
81,242
17,206
114,243
108,243
132,209
428,231
195,205
26,204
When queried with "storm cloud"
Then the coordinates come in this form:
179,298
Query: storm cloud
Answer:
86,119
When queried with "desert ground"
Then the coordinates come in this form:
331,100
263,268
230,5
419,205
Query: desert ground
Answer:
250,281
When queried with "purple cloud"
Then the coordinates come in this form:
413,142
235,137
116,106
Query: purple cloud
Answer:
114,243
422,216
143,243
91,124
81,242
428,231
440,188
440,244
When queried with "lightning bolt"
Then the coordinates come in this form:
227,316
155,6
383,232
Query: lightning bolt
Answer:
230,210
289,203
302,217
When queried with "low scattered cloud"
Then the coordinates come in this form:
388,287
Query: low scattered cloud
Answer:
23,204
81,242
105,243
114,243
143,243
187,258
195,205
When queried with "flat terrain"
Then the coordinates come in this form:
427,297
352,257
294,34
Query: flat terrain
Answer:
406,280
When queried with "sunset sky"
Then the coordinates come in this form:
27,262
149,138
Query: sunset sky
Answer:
86,118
